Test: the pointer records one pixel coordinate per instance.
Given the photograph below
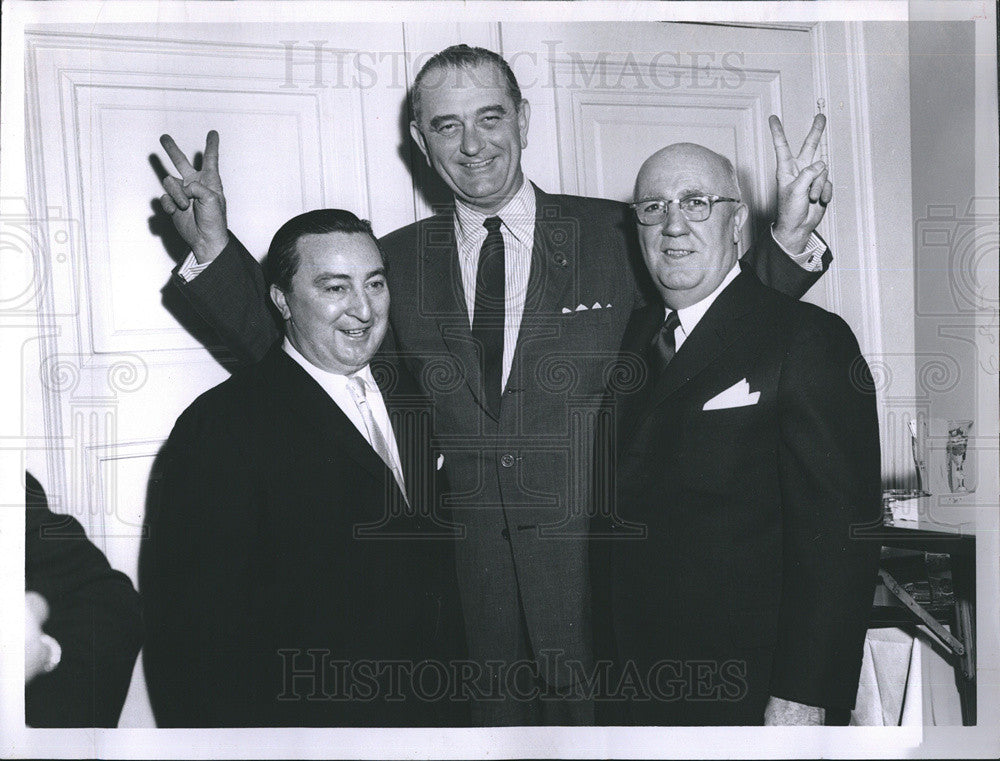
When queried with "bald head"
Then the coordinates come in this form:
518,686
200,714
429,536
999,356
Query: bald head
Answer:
689,258
715,168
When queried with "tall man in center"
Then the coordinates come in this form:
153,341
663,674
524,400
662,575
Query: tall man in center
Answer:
509,310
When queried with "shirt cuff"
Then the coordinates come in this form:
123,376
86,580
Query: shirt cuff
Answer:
811,259
190,269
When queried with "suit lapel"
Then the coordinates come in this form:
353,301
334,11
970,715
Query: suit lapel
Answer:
722,325
642,326
554,258
444,297
315,410
401,396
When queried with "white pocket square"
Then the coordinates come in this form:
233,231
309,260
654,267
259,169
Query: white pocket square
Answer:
440,461
581,307
737,395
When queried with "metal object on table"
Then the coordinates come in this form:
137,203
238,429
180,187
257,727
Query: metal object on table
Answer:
932,623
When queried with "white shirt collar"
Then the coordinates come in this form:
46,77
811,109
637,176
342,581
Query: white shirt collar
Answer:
691,315
517,215
325,378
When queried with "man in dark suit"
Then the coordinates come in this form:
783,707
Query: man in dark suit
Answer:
293,574
509,309
746,460
83,626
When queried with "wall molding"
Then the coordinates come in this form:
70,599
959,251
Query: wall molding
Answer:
855,131
864,175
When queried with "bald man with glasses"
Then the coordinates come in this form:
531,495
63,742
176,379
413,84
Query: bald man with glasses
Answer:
737,591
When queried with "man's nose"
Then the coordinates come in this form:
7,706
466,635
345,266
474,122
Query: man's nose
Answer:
472,143
361,307
676,223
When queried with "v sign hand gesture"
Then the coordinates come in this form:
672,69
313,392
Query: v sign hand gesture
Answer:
803,188
195,202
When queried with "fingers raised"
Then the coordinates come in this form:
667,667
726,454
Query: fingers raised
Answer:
781,150
177,156
811,143
211,160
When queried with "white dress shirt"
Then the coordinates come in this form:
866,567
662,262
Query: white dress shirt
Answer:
691,316
518,233
335,386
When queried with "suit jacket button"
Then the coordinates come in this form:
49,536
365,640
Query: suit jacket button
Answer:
505,534
507,460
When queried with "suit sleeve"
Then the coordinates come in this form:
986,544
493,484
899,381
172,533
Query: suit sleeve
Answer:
232,297
777,270
830,487
203,652
94,614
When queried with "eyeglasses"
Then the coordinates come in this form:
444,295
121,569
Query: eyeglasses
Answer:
695,208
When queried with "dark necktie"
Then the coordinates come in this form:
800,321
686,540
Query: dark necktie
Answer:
488,317
663,347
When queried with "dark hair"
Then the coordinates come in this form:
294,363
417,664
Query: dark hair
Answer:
282,260
464,57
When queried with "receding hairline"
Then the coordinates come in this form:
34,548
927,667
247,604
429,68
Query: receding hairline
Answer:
510,86
689,149
362,234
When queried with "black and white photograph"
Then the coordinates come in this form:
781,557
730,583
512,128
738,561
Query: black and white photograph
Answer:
566,379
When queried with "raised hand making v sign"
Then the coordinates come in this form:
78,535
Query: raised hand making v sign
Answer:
803,188
197,205
195,202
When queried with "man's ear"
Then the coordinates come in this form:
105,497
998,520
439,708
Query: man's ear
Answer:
739,219
278,297
418,138
523,116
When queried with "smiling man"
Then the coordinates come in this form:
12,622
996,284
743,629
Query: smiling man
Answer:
471,125
750,456
509,309
265,605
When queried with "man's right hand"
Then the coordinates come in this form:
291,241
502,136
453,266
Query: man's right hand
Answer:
195,202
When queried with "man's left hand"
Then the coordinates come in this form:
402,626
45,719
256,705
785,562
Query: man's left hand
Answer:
803,188
780,712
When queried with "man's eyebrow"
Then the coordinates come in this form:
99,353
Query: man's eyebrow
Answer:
487,109
324,276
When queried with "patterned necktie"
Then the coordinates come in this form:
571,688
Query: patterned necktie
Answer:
356,386
663,347
488,317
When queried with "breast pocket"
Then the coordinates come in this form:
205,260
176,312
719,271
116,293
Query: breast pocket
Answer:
587,324
720,447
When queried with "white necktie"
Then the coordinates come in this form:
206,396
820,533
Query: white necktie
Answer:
356,386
